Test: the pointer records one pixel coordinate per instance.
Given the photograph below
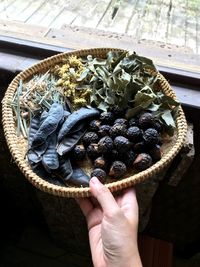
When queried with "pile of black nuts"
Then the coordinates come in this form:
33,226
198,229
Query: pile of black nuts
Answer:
115,144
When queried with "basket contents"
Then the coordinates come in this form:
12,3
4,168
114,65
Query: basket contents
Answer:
108,113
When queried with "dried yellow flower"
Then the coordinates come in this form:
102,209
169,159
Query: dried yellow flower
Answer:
79,102
68,74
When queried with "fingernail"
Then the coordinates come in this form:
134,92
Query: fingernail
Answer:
94,180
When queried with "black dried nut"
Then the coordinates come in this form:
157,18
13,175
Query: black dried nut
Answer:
151,137
104,130
139,147
118,130
100,174
142,161
90,137
117,169
133,122
134,134
107,117
105,144
111,155
122,144
157,125
146,120
121,121
79,152
93,151
94,125
156,153
101,163
117,111
128,158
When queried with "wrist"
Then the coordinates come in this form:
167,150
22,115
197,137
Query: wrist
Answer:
126,261
133,261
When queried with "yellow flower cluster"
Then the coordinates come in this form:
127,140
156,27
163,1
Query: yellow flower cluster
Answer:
68,74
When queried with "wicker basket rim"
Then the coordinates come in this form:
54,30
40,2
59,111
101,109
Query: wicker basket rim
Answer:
10,133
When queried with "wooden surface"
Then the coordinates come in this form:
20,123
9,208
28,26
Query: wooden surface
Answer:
81,37
168,21
155,252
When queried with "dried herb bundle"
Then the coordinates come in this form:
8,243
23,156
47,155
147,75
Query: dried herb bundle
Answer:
130,82
36,95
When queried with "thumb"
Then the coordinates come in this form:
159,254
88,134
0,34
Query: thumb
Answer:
103,195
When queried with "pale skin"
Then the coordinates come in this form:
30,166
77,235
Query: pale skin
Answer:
112,224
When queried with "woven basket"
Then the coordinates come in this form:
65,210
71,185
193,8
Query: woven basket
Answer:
18,156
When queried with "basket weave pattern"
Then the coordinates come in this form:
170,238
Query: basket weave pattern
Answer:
11,137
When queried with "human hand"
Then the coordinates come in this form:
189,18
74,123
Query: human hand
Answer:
112,225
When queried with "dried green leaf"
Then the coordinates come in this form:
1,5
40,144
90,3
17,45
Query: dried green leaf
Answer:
114,57
83,75
144,97
133,111
103,106
154,107
168,119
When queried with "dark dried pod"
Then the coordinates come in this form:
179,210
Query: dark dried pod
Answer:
76,117
105,144
122,144
142,161
118,130
49,125
90,137
100,174
104,130
32,156
79,177
117,169
64,172
69,141
50,158
107,117
93,151
34,126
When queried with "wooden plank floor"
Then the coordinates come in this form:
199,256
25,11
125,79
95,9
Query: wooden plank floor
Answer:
168,21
